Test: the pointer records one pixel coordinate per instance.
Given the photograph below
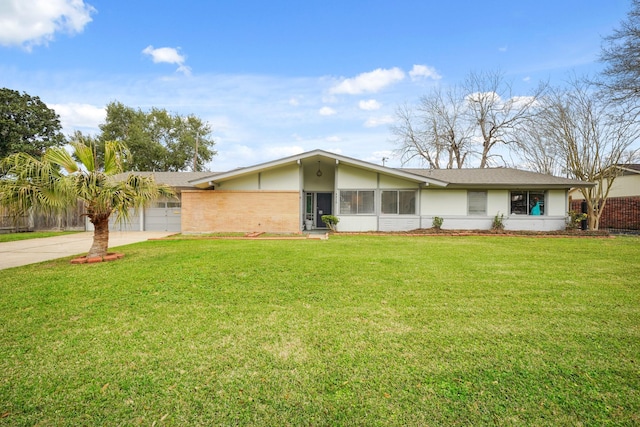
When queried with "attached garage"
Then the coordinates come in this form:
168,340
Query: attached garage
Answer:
161,215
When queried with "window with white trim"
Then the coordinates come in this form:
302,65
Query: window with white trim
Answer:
527,202
357,202
476,203
401,202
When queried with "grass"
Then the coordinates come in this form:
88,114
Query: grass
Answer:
12,237
355,330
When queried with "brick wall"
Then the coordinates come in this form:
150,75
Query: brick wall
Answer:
209,211
621,213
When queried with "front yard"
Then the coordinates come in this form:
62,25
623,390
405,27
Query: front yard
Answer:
354,330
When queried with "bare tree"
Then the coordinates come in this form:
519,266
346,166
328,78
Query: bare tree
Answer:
413,139
620,52
539,151
448,128
593,135
497,113
436,131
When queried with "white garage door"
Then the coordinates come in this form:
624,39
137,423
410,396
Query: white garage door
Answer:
163,216
132,225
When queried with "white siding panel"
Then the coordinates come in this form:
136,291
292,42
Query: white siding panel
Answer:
358,223
556,203
392,182
249,182
497,202
285,178
354,178
443,202
399,223
534,223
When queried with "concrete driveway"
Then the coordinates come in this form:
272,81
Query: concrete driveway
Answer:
23,252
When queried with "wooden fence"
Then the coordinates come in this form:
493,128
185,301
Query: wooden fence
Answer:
71,220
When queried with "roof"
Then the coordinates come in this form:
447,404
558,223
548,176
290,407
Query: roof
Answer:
630,168
310,157
450,178
172,179
497,177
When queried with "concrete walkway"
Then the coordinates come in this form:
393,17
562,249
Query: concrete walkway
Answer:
23,252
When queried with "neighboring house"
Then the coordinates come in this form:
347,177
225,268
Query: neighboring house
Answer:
622,209
291,194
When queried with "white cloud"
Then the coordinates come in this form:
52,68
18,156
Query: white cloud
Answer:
168,55
327,111
29,23
370,82
83,116
294,102
503,49
526,79
378,121
381,157
369,105
283,151
333,138
424,71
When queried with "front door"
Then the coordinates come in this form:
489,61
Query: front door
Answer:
324,201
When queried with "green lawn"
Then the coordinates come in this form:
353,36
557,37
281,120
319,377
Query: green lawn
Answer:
12,237
355,330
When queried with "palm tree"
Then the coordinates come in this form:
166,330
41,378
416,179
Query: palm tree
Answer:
60,179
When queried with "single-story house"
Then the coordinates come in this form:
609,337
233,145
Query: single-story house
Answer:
291,194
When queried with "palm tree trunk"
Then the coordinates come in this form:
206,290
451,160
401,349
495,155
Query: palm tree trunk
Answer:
100,238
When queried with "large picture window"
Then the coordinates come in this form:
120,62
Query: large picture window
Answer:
355,202
401,202
477,202
527,202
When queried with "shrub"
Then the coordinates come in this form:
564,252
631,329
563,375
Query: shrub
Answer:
574,219
437,222
498,222
331,221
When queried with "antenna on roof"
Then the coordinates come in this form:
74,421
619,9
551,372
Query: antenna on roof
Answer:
384,160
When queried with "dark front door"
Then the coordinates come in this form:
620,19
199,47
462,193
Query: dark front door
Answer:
323,207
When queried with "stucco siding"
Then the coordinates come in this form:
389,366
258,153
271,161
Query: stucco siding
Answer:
242,211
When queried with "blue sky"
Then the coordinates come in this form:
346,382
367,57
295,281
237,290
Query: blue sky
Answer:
276,78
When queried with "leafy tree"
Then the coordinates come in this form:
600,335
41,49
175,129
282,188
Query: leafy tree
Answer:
27,125
157,140
57,181
621,52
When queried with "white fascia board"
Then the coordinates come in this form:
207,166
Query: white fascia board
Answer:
211,180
